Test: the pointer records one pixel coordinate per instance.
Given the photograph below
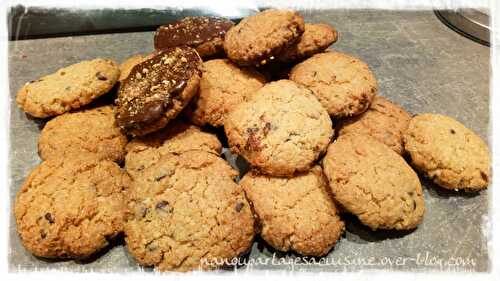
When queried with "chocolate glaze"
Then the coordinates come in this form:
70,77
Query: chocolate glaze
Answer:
149,90
191,31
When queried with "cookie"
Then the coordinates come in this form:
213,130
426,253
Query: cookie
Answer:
185,212
259,38
453,156
374,183
281,130
344,85
384,120
205,34
223,86
296,213
315,39
157,90
178,137
69,88
128,64
71,207
91,131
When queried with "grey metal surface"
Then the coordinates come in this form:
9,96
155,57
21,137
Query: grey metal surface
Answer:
419,63
472,23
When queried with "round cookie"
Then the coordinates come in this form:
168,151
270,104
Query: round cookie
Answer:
374,183
157,89
91,131
315,39
257,39
71,207
223,86
453,156
178,137
69,88
384,120
205,34
295,213
281,130
344,85
187,213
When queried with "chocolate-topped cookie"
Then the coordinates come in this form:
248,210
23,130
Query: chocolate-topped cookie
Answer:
157,89
205,34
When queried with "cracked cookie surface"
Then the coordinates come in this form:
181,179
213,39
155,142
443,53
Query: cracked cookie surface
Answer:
185,212
374,183
315,39
343,84
452,155
91,131
69,208
68,88
281,130
384,120
257,39
178,137
295,213
223,86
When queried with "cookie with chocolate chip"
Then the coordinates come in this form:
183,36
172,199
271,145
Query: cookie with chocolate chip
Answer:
343,84
205,34
185,212
259,38
374,183
68,88
91,131
71,207
280,130
157,89
178,137
295,214
449,153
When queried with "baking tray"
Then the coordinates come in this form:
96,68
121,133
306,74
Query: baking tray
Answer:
419,63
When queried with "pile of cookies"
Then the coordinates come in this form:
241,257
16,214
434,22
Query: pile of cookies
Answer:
309,121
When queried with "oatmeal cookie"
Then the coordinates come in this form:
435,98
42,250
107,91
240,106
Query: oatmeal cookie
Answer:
374,183
281,130
69,88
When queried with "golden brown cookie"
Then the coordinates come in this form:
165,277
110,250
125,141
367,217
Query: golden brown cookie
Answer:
187,213
178,137
223,86
374,183
315,39
344,85
295,213
281,130
70,207
205,34
157,89
91,131
69,88
453,156
257,39
384,120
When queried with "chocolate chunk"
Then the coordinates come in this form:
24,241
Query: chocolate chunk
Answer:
43,234
100,76
153,85
191,31
162,204
452,131
239,206
49,217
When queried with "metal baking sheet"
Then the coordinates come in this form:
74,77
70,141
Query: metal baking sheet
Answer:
420,64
